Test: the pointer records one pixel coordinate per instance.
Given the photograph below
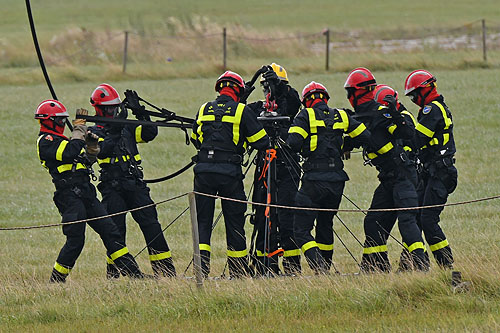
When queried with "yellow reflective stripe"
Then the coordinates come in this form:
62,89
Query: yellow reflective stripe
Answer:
415,246
371,156
260,253
38,151
385,148
411,116
392,128
375,249
406,148
138,134
433,142
360,129
291,253
123,251
109,261
424,130
100,139
257,136
314,142
137,157
104,160
199,121
235,120
67,167
313,125
345,120
60,150
439,245
205,247
193,136
325,247
160,256
237,254
298,130
447,121
61,269
309,245
446,138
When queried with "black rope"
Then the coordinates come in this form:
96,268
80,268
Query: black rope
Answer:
345,246
353,235
40,57
162,231
172,175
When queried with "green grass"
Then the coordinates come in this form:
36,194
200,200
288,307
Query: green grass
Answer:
410,302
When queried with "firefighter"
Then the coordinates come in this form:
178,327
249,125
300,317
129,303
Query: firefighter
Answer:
221,132
121,178
410,146
397,173
318,133
75,197
285,181
438,176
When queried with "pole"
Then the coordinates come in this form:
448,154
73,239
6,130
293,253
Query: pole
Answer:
224,47
125,49
327,34
196,241
484,39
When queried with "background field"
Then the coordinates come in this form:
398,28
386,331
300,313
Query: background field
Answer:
88,302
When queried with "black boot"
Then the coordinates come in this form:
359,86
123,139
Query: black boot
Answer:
112,272
128,266
238,267
163,267
375,263
57,277
291,266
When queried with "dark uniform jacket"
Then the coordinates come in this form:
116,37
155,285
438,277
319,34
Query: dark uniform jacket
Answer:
386,148
63,158
221,132
434,133
118,156
318,134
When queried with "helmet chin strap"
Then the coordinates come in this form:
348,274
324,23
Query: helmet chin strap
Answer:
355,98
422,98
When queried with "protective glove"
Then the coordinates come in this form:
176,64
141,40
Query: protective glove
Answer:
132,102
80,112
91,142
246,92
271,76
392,106
122,114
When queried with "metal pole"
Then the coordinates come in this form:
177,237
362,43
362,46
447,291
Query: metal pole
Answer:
196,241
224,47
125,48
484,39
327,34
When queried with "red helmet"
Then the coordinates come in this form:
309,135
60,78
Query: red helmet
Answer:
52,115
360,78
383,90
229,79
418,79
50,108
313,88
104,95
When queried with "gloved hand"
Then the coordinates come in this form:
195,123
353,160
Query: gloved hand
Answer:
246,92
132,102
79,112
392,106
271,76
122,114
91,142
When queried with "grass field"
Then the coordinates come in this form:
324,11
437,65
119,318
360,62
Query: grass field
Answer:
389,302
368,303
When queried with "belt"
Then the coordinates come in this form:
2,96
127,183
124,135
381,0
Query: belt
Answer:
445,162
325,165
217,156
70,181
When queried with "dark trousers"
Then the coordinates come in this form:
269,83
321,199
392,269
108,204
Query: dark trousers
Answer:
318,250
128,193
80,202
284,188
434,190
234,219
396,191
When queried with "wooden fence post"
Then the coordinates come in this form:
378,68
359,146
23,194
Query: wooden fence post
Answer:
224,47
125,50
327,34
196,241
484,39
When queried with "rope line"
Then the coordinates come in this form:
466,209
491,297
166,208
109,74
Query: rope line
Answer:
258,204
94,218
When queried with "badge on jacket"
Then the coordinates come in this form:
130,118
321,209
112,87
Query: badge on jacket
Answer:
49,137
387,115
427,109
